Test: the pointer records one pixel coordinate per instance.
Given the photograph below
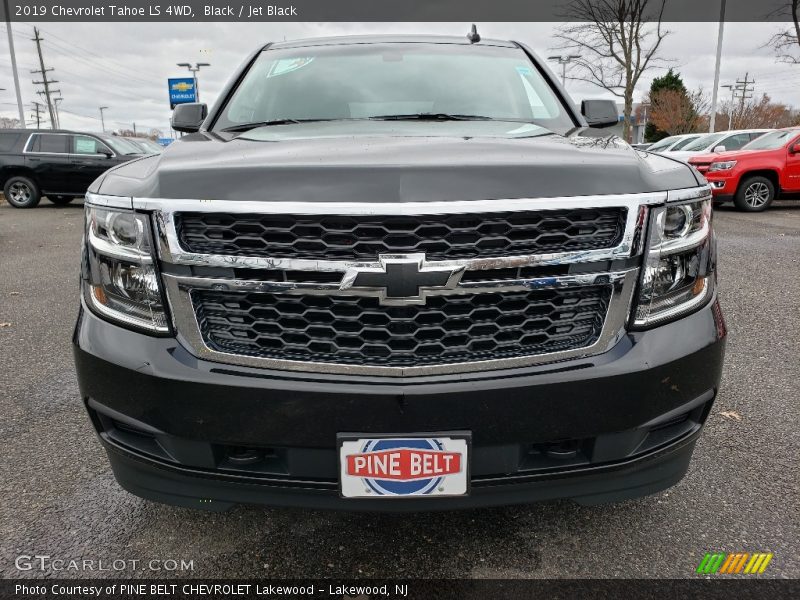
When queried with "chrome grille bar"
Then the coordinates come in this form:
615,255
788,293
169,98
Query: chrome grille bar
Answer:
185,272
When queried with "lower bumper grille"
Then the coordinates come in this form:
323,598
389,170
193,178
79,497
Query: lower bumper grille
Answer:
359,331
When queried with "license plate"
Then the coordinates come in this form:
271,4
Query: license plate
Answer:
411,466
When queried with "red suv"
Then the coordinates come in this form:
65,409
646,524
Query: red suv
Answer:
753,176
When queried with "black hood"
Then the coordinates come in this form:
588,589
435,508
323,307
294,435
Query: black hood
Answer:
394,163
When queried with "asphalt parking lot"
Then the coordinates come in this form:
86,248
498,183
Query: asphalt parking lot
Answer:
741,493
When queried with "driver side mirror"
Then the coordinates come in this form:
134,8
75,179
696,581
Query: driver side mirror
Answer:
719,148
794,148
189,117
600,113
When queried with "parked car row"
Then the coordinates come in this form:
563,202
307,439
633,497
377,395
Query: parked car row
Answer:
722,141
673,142
685,146
58,164
750,167
764,169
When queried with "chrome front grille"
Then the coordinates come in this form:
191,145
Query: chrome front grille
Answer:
562,296
356,330
365,237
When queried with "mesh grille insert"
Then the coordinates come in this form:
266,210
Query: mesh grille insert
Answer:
358,330
440,237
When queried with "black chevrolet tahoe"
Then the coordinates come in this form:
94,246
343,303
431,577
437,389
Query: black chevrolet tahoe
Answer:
398,273
57,164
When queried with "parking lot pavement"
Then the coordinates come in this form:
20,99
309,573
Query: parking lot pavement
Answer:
741,493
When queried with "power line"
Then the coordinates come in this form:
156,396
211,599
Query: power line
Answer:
98,119
94,58
96,66
94,55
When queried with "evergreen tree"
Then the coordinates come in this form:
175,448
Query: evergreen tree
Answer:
669,81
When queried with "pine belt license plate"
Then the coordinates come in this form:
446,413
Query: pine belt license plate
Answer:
404,466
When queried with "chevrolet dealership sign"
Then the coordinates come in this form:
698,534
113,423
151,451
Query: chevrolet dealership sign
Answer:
181,91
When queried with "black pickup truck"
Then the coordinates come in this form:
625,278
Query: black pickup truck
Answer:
57,164
398,273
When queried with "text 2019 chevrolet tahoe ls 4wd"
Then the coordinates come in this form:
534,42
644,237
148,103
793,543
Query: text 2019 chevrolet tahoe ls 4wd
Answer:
398,273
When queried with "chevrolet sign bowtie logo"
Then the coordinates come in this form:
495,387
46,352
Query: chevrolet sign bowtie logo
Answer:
182,86
401,279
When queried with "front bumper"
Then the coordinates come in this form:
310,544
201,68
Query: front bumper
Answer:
610,427
723,185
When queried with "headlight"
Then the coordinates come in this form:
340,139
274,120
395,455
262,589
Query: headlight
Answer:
122,283
678,274
722,166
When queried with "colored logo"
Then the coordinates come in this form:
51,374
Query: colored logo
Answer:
736,563
403,466
181,90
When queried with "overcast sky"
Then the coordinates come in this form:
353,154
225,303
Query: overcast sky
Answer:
125,65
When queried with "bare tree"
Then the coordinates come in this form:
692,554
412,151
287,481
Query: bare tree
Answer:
617,41
756,113
786,43
8,123
678,111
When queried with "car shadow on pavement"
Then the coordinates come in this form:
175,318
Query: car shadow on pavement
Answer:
534,540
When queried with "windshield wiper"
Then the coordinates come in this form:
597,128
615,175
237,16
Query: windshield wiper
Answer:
249,126
431,117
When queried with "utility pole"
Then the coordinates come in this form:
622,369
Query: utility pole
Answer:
194,69
57,122
102,119
713,120
743,90
46,82
14,64
134,130
37,107
564,61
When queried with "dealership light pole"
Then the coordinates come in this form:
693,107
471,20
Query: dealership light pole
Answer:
55,107
713,117
194,69
14,65
732,88
564,61
102,120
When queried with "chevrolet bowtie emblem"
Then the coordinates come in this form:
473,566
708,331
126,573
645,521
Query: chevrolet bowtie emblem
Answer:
401,279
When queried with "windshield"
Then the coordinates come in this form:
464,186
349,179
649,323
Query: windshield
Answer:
121,146
704,142
685,142
152,146
662,144
145,145
360,81
772,141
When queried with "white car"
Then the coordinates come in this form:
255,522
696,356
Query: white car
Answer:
673,142
722,141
